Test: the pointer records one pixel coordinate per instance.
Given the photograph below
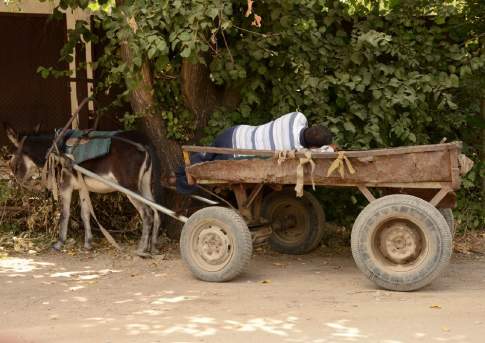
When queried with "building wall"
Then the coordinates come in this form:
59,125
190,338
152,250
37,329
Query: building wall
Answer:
28,6
30,41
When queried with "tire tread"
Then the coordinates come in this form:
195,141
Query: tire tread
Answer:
402,282
243,240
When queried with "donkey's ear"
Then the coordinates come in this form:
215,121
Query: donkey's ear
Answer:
11,135
37,128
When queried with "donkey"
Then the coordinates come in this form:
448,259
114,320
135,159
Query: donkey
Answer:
131,162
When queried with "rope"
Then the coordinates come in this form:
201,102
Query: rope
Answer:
65,128
283,155
56,164
52,172
300,172
339,163
84,195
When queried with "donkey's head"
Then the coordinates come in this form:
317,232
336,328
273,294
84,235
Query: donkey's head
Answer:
29,153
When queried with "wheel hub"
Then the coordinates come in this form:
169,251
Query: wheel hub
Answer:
213,245
400,243
289,222
285,223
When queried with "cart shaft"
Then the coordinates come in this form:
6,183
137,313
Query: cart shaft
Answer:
126,191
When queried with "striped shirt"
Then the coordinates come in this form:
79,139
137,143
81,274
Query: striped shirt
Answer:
280,134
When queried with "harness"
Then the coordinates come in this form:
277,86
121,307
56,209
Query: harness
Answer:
58,162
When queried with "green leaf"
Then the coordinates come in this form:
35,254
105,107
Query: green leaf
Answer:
454,80
151,52
162,46
44,72
439,20
357,58
349,126
213,12
185,52
185,36
376,93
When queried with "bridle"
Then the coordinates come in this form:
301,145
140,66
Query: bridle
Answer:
13,168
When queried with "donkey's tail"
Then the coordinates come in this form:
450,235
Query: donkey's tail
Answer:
156,174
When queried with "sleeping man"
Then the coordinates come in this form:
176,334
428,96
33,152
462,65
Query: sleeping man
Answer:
288,132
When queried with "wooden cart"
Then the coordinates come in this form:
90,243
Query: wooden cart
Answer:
402,240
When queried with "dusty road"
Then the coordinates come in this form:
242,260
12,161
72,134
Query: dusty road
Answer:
314,298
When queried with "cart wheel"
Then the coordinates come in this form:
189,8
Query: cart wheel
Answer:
401,242
216,244
450,219
297,223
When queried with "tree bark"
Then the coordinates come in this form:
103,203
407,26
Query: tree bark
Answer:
168,151
142,101
482,150
201,96
152,125
482,113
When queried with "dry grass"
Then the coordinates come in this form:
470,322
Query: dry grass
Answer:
470,242
29,221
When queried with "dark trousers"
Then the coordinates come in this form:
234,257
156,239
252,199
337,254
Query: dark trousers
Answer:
222,140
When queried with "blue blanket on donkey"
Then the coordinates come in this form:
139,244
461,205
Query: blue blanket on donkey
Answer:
87,145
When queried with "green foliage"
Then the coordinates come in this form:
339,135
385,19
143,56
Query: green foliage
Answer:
50,71
162,32
375,81
5,192
470,209
377,73
129,120
179,126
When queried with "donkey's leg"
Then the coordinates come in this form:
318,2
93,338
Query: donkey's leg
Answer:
156,227
86,218
145,185
65,195
147,219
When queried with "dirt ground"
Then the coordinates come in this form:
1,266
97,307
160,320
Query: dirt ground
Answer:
320,297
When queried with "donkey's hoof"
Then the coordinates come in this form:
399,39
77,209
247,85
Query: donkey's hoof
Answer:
88,247
143,254
155,251
57,246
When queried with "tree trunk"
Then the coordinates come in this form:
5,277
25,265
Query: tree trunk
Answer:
152,124
198,92
482,150
201,96
142,101
482,113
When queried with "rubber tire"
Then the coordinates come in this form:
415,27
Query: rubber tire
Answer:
450,219
436,229
317,222
236,226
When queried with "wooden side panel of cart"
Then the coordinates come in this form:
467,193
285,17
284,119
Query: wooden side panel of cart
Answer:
432,166
423,170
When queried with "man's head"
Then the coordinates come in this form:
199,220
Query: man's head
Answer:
317,136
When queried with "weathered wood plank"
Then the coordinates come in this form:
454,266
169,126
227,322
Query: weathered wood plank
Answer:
406,169
350,153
